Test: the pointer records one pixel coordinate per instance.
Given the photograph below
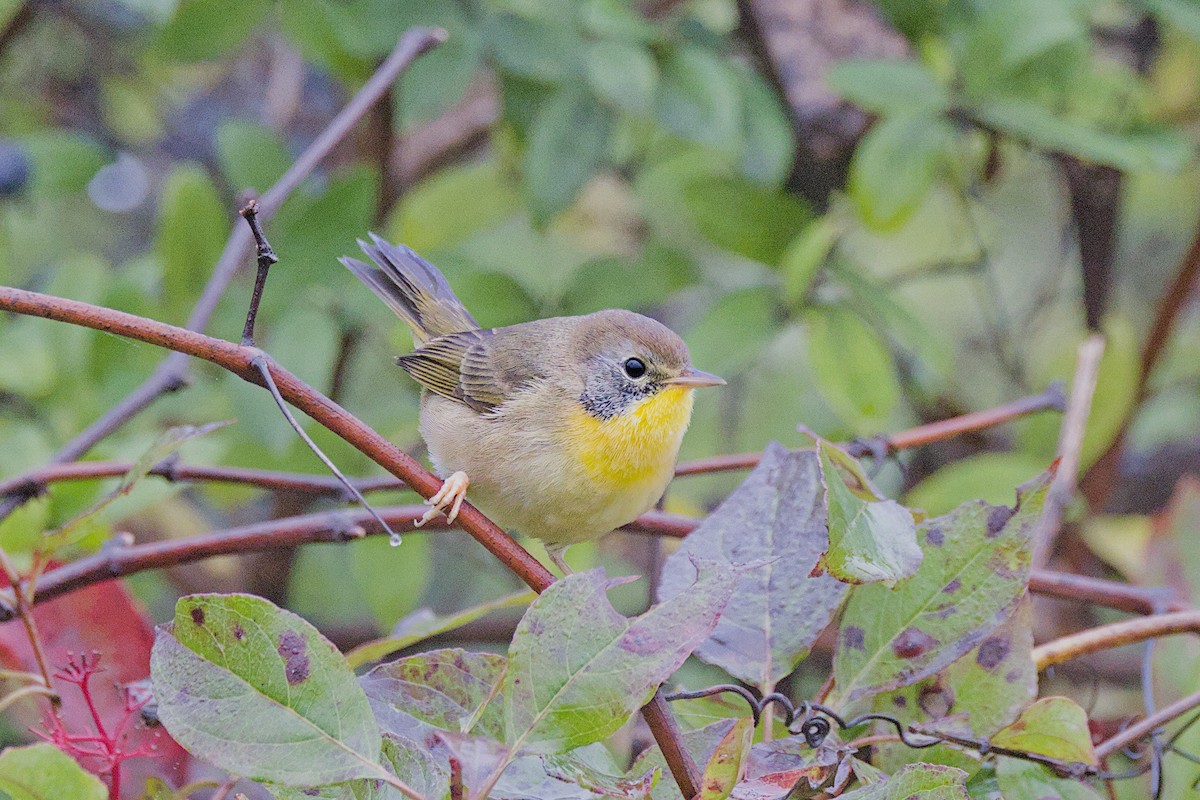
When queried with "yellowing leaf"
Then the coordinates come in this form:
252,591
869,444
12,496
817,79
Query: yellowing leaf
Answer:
1053,726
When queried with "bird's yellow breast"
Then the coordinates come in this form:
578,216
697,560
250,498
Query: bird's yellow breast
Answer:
635,447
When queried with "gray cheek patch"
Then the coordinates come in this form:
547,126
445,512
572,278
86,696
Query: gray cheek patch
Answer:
609,393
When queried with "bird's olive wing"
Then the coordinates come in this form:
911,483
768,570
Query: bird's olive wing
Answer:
458,367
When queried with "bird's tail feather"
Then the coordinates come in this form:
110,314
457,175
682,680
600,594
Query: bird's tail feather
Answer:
413,288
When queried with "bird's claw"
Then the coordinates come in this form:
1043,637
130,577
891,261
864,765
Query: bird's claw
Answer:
450,496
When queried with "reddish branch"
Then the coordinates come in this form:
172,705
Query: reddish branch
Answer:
1049,400
241,362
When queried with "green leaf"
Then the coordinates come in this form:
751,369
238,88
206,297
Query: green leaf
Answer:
1023,780
894,166
615,19
569,684
1053,726
852,366
28,361
61,162
926,781
257,691
869,540
805,255
975,569
623,74
209,29
986,476
251,155
423,624
698,99
733,332
454,203
546,51
776,519
42,772
448,689
725,766
889,87
768,140
744,218
566,146
192,228
1155,150
426,773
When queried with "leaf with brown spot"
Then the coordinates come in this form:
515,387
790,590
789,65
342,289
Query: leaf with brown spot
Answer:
724,767
278,703
448,689
963,590
1053,726
967,697
776,518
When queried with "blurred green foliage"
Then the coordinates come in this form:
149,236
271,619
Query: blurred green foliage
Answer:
636,162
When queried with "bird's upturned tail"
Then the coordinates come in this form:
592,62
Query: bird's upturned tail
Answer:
413,288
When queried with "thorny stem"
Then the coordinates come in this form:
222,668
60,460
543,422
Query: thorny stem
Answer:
1117,634
265,257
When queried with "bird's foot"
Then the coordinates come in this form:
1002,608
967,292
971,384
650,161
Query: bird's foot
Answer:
450,496
558,555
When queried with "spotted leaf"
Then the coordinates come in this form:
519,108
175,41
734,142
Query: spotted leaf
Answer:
257,691
975,570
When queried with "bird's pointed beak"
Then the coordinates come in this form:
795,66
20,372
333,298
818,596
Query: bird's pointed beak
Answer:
695,378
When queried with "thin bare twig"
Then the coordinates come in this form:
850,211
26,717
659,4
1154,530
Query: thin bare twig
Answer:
36,481
1116,634
1049,400
1145,727
1070,445
265,256
260,364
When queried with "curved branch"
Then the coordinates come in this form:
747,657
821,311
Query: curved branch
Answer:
1117,634
239,360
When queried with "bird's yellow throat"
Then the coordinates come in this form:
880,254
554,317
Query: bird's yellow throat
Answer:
636,446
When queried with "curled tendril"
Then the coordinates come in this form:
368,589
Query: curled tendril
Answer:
815,722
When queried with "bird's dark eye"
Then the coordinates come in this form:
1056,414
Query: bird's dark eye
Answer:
635,367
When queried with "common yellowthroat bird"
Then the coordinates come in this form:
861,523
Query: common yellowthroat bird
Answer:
564,428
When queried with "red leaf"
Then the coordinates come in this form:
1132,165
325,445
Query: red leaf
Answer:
103,618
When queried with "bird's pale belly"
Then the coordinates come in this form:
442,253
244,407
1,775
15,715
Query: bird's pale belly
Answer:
569,482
